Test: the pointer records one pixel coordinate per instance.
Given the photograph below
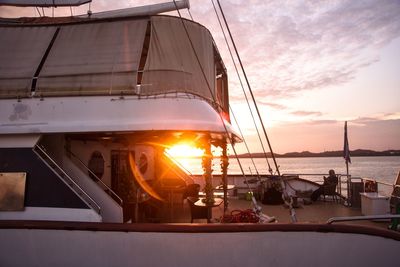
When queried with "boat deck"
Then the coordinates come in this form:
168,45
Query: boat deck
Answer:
317,212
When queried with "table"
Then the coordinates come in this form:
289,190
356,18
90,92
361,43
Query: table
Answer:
207,207
215,194
221,187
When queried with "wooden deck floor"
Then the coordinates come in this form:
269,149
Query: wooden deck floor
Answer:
317,212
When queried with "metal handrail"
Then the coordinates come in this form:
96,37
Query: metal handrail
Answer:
308,174
375,181
314,174
378,182
90,201
179,165
362,218
343,181
120,201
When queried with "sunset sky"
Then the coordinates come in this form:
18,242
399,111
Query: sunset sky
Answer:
312,65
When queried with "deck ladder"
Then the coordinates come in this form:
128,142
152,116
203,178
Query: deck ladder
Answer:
46,158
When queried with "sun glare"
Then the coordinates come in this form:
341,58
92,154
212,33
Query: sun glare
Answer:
184,151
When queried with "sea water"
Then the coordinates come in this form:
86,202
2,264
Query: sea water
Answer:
381,169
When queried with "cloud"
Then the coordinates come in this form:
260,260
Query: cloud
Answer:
290,48
308,45
376,134
306,113
272,105
324,135
362,121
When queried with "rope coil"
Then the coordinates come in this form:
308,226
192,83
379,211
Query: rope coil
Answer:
240,216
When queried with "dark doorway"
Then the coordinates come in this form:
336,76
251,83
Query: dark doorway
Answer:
122,182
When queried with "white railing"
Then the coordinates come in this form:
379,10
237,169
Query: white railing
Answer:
187,175
106,188
363,218
46,158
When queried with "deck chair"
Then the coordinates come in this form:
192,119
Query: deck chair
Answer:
191,194
191,190
330,190
195,211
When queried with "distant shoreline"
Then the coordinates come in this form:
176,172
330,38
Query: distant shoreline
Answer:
307,154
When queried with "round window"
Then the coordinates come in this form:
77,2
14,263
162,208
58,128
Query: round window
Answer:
96,165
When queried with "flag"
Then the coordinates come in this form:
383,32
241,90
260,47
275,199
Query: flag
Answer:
346,149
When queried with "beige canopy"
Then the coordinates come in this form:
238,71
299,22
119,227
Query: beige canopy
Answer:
172,64
22,49
97,58
143,56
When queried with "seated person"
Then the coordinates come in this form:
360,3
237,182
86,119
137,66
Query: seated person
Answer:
330,180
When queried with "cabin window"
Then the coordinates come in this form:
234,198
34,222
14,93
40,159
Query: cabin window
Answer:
12,191
96,165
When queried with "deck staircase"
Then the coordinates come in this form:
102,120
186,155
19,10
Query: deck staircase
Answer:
107,205
47,159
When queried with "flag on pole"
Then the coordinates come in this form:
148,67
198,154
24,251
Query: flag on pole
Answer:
346,149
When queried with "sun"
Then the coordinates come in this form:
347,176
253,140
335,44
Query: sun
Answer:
184,151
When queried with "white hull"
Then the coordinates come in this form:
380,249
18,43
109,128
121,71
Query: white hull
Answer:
195,245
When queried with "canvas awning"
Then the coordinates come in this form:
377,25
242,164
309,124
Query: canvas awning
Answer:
93,59
144,56
172,64
44,3
22,49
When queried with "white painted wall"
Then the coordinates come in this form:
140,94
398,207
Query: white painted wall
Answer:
18,140
51,214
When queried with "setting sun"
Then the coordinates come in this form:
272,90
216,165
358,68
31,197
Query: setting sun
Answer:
184,151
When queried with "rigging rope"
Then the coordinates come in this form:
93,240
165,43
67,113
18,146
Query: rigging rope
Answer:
257,208
242,86
37,9
248,85
245,143
246,216
285,195
240,216
190,14
211,92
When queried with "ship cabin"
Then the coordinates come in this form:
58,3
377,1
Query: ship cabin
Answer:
88,107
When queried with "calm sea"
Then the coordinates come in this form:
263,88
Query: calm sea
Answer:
384,169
